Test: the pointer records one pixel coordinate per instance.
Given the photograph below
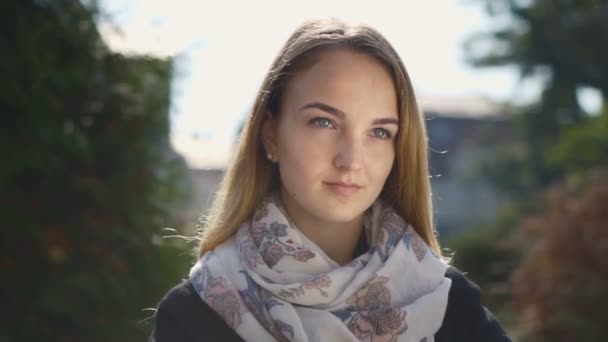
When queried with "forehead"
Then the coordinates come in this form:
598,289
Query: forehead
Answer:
346,79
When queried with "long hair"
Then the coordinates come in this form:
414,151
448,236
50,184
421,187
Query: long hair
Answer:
251,176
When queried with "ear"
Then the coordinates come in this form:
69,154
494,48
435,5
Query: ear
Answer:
269,135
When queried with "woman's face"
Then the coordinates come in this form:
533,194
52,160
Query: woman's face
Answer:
334,137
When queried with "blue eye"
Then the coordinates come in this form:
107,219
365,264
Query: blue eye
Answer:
381,133
322,122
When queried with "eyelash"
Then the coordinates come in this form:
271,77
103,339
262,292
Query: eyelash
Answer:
316,122
387,135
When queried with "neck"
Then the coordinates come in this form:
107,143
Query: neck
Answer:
338,240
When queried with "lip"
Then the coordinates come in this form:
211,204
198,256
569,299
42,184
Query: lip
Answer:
342,188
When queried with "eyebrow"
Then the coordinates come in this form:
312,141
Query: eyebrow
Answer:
336,112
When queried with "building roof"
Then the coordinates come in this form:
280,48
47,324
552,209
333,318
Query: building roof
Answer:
469,107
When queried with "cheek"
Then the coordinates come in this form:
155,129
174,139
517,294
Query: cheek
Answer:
380,162
297,144
301,157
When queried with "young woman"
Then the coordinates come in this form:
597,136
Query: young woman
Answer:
322,228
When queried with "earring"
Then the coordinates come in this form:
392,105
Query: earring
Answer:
269,156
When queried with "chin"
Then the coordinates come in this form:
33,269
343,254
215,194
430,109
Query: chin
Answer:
339,212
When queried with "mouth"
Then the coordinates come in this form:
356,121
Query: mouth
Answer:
343,189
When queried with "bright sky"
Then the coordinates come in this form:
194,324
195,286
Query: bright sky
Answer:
224,49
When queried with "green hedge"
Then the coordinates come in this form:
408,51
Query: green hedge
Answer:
88,179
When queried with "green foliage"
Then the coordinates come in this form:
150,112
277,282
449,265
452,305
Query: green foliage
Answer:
488,255
583,146
562,41
565,36
560,282
522,171
88,179
509,174
562,285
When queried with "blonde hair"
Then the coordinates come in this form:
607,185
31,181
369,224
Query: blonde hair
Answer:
251,176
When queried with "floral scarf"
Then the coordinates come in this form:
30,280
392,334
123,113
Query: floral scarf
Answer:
271,283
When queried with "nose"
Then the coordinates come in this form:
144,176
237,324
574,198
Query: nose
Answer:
349,155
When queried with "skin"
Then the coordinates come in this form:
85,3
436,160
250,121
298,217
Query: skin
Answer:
334,142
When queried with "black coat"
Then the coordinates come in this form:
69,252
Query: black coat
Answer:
183,316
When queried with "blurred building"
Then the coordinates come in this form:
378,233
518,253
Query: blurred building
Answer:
463,132
204,184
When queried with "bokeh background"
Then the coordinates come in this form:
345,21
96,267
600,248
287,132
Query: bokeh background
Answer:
120,115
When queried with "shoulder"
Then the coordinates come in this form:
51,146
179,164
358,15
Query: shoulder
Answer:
462,286
466,319
179,298
182,315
